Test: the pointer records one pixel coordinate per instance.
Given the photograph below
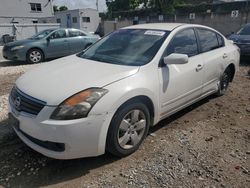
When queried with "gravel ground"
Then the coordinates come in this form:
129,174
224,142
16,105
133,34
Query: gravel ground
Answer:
205,145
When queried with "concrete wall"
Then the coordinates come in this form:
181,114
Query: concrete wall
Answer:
24,30
20,11
222,22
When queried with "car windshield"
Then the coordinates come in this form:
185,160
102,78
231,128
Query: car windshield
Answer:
134,47
42,34
244,30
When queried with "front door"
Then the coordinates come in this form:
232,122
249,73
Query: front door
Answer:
181,84
57,45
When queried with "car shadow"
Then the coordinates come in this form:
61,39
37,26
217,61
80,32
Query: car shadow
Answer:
7,63
51,171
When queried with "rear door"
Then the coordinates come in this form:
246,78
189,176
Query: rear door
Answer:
57,44
213,50
77,40
181,84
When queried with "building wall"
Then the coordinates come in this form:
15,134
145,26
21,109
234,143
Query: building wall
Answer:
20,10
92,14
94,20
65,23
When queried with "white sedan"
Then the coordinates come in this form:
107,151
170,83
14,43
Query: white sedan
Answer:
107,97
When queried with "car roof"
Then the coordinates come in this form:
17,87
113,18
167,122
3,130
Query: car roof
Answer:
159,26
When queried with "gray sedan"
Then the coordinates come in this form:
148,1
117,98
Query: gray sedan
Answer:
50,43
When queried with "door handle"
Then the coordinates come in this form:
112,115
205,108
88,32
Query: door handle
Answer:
224,56
199,67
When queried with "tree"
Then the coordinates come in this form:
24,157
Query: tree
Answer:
63,8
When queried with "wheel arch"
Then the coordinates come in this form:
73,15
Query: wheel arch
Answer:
146,101
232,69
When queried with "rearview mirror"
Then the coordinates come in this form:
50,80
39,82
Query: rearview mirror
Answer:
176,59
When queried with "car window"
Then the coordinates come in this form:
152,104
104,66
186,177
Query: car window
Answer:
75,33
244,30
58,34
220,40
183,42
208,40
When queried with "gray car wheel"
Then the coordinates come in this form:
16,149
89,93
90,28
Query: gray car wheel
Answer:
35,56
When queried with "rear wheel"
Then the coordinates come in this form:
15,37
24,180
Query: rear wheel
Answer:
224,82
128,129
35,56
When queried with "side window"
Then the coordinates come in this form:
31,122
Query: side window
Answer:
220,40
208,40
183,42
58,34
75,33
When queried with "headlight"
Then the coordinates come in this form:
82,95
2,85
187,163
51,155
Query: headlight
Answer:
78,105
17,48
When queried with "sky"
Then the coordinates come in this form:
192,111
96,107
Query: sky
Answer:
79,4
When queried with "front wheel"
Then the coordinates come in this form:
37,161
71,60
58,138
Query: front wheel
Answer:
224,82
128,129
35,56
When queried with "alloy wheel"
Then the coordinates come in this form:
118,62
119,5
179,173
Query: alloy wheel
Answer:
131,129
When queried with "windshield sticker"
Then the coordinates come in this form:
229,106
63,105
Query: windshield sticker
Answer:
157,33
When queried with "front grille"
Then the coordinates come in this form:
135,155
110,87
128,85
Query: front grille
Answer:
22,102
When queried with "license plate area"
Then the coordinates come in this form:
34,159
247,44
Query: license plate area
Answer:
14,122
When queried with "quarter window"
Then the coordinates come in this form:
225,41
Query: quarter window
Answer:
36,7
208,40
183,42
220,40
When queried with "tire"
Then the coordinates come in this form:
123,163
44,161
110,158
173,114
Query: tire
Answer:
35,55
224,82
128,129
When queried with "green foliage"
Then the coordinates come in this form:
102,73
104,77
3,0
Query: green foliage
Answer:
163,6
63,8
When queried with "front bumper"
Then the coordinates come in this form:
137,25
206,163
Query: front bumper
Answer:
80,138
16,55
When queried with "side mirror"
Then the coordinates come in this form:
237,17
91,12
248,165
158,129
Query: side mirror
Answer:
176,59
48,39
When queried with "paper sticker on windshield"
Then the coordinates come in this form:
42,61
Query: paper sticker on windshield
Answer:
157,33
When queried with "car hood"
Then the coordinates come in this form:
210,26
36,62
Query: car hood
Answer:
240,38
19,42
57,80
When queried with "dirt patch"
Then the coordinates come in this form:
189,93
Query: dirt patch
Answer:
205,145
6,82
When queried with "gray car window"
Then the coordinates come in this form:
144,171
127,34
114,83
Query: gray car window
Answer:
58,34
183,42
208,40
75,33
